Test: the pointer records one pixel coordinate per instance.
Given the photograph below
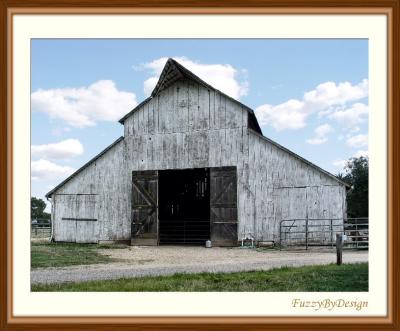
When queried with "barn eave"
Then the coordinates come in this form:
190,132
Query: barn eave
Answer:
50,193
122,120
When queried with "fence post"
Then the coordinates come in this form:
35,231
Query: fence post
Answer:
357,233
331,233
306,233
339,248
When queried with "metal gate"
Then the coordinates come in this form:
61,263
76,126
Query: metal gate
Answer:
305,233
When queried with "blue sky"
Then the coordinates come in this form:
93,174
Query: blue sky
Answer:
311,96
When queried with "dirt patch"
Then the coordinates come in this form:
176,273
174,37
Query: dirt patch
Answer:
188,255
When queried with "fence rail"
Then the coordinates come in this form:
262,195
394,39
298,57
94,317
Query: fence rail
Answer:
40,230
322,232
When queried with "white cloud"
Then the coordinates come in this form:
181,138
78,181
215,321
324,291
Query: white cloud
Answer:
323,130
288,115
361,153
355,129
223,77
320,136
357,141
317,141
62,150
340,163
149,85
84,106
293,113
352,116
326,112
44,169
59,131
329,94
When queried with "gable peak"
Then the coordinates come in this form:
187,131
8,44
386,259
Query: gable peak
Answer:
172,72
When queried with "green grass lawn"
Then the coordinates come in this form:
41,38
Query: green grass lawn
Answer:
329,278
64,254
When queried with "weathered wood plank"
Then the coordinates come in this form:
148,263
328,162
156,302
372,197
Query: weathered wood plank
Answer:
193,98
182,106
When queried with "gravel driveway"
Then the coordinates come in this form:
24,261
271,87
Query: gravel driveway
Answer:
168,260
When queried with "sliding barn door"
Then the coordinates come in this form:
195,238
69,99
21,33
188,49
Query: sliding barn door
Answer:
144,208
223,206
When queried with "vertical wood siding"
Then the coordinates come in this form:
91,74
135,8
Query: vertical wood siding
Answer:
108,182
285,187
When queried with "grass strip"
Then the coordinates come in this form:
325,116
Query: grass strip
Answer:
322,278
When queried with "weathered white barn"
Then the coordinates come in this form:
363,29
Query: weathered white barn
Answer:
192,165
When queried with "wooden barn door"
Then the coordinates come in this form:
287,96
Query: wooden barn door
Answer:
144,208
223,206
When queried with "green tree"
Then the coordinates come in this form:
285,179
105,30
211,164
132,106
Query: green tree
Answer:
356,175
37,209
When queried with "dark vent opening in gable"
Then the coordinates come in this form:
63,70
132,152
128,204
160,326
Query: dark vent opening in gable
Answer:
252,123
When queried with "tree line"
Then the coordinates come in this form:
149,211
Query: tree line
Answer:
38,207
356,175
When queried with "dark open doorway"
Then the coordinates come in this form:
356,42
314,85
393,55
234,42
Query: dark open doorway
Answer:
184,206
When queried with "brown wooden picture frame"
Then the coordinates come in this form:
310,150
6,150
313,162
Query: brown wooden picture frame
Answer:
8,8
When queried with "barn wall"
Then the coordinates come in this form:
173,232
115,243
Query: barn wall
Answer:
100,191
283,187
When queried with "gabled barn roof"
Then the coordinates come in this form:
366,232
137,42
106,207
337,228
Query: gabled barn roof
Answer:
172,72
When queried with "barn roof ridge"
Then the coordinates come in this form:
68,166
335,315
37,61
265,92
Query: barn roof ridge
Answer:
105,150
172,72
